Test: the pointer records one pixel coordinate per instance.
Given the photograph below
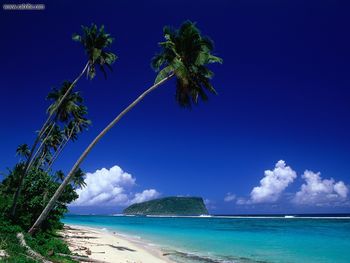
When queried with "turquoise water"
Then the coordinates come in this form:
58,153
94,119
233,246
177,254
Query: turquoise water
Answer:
235,239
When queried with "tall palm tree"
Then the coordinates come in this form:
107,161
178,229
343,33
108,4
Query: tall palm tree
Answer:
69,108
71,131
51,142
78,179
184,55
23,150
59,176
96,42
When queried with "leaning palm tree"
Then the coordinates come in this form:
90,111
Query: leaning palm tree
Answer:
23,151
71,131
78,179
69,108
96,42
184,55
59,176
51,143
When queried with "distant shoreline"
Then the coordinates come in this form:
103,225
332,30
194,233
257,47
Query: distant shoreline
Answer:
279,216
107,246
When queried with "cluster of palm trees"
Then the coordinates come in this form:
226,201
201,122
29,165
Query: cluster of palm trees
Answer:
184,56
68,121
67,104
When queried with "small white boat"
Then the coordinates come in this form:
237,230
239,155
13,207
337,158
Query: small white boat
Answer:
289,216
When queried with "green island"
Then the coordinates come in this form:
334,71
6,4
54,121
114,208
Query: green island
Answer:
178,206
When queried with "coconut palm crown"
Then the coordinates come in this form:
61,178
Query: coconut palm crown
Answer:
71,106
23,150
96,43
186,54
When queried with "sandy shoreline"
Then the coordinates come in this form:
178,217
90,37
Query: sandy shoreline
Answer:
109,246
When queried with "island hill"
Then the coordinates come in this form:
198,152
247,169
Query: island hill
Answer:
169,206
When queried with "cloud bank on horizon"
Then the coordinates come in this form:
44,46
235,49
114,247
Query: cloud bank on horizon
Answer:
114,187
111,187
314,192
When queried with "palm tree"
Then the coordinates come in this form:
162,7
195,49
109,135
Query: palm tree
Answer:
71,103
71,131
68,109
51,142
78,179
96,42
23,150
184,55
59,176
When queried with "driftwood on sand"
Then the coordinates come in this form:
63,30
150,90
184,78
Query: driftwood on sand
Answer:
30,251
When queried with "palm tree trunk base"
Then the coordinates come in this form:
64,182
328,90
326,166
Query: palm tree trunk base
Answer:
30,251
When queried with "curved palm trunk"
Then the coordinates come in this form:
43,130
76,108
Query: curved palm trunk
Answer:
66,180
59,150
42,157
42,131
40,146
30,251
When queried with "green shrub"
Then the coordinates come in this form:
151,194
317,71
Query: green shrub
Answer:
37,189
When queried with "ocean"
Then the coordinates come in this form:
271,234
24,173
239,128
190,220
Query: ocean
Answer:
235,239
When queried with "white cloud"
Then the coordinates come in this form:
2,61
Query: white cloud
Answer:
145,196
241,201
315,191
229,197
110,187
341,189
272,185
320,192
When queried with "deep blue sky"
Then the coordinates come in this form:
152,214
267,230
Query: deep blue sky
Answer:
284,93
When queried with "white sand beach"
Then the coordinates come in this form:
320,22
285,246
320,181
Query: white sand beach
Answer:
109,247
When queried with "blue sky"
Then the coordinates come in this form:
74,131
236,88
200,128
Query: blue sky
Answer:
283,95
